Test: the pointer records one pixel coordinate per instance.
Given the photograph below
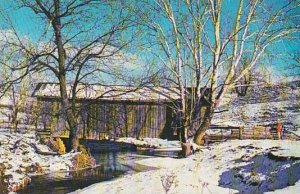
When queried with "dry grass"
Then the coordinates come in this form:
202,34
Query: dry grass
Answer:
57,145
83,160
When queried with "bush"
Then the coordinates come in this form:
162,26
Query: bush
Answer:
83,159
57,145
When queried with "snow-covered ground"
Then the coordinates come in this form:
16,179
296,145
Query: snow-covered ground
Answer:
262,107
18,153
245,166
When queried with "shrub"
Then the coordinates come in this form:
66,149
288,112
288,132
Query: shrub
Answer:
167,181
83,159
57,145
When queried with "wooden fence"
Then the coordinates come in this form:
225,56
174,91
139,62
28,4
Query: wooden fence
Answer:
256,132
225,132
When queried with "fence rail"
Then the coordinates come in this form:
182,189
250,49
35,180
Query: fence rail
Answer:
256,132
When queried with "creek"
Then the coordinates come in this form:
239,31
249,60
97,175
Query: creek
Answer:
110,165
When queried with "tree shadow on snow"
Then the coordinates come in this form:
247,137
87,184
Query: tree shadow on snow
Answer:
261,173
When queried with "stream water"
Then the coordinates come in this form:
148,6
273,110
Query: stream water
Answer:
111,165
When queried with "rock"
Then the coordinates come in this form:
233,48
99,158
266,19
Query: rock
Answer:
7,177
20,185
8,166
19,171
25,152
23,146
254,180
245,157
26,160
34,168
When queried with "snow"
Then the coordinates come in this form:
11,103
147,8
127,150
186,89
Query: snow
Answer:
19,156
297,132
262,106
288,190
151,143
218,131
207,170
288,149
157,144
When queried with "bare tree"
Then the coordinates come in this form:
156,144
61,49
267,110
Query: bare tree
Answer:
243,84
13,84
257,76
77,44
201,44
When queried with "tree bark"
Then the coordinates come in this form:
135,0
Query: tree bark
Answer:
71,119
199,136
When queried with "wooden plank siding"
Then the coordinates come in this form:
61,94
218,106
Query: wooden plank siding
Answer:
107,119
118,110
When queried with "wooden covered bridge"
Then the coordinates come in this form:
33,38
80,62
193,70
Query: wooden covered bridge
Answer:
112,111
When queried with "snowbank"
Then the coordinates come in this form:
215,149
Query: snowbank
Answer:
151,143
157,143
18,154
288,190
288,149
205,171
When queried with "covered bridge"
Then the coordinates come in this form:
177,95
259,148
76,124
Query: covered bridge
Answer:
113,111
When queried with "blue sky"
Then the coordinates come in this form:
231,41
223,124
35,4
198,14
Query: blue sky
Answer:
27,24
23,19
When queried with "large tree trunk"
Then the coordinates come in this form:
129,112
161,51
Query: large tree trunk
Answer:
73,138
67,109
183,125
199,136
182,135
71,119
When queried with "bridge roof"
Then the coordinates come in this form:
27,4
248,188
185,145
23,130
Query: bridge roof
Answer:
110,92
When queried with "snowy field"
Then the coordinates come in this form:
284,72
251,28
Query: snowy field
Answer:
247,166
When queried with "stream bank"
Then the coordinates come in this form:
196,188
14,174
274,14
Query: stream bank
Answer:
110,165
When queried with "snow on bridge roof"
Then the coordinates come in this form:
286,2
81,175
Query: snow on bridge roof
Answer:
110,92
